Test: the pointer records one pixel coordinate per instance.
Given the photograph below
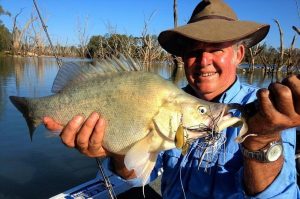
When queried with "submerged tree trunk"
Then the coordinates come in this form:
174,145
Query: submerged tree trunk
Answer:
253,53
251,61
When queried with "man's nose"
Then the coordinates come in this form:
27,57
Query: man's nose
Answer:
205,58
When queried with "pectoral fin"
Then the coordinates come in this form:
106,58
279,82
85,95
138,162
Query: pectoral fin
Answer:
141,159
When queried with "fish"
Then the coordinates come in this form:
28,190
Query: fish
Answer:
146,114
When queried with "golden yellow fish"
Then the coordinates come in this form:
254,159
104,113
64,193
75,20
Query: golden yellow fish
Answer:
143,110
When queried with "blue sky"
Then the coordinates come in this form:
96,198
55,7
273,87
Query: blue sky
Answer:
128,16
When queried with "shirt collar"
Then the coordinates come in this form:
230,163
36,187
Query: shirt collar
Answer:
230,93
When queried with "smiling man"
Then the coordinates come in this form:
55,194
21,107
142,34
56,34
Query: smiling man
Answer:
210,70
212,46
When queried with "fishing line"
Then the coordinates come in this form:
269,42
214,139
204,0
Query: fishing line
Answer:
59,61
106,180
211,147
209,144
180,173
107,183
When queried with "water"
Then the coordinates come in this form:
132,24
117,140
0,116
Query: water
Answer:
45,167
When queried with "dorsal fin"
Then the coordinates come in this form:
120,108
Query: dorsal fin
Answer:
74,72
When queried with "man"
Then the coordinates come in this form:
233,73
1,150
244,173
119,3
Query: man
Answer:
212,45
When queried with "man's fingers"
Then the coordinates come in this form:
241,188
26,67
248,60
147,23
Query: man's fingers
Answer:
69,133
266,107
51,124
84,134
283,98
95,142
293,82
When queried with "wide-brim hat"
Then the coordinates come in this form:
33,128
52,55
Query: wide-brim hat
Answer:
212,22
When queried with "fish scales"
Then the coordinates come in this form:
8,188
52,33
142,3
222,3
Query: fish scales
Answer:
129,99
145,113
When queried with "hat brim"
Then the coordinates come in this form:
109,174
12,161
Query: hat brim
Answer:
212,31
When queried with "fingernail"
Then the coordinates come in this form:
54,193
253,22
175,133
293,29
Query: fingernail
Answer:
95,116
45,119
78,119
101,121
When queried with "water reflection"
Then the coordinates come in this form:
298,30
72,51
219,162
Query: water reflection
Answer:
259,78
45,167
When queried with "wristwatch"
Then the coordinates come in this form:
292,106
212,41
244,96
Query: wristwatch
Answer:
269,153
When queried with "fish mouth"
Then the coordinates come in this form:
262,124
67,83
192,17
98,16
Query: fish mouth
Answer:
211,131
218,123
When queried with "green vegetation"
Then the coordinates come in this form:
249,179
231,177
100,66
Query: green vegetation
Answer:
5,35
145,47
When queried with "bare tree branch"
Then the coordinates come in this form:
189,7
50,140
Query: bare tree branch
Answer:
83,38
296,29
281,48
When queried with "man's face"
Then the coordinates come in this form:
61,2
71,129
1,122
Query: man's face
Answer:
210,70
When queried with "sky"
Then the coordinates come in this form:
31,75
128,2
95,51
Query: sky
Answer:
128,16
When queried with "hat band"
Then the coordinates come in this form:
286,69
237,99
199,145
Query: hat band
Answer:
211,17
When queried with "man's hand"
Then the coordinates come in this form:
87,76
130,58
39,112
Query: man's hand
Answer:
86,136
279,109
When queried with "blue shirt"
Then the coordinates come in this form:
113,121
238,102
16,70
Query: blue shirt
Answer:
220,174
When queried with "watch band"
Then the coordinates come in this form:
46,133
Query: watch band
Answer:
261,155
256,155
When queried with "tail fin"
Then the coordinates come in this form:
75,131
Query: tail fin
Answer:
21,103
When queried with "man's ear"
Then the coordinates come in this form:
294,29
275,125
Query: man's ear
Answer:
240,53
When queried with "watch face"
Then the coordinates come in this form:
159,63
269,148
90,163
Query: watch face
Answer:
274,152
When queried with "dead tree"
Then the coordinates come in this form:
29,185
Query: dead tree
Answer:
17,33
285,57
297,30
280,63
150,47
290,57
38,44
268,58
113,44
253,53
83,38
296,56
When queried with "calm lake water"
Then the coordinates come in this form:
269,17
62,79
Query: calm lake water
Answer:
45,167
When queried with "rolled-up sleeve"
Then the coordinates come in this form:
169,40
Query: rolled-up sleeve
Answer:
285,184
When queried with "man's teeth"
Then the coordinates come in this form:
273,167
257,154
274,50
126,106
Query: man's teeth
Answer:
206,74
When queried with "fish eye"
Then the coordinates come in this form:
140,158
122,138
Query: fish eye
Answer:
202,110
